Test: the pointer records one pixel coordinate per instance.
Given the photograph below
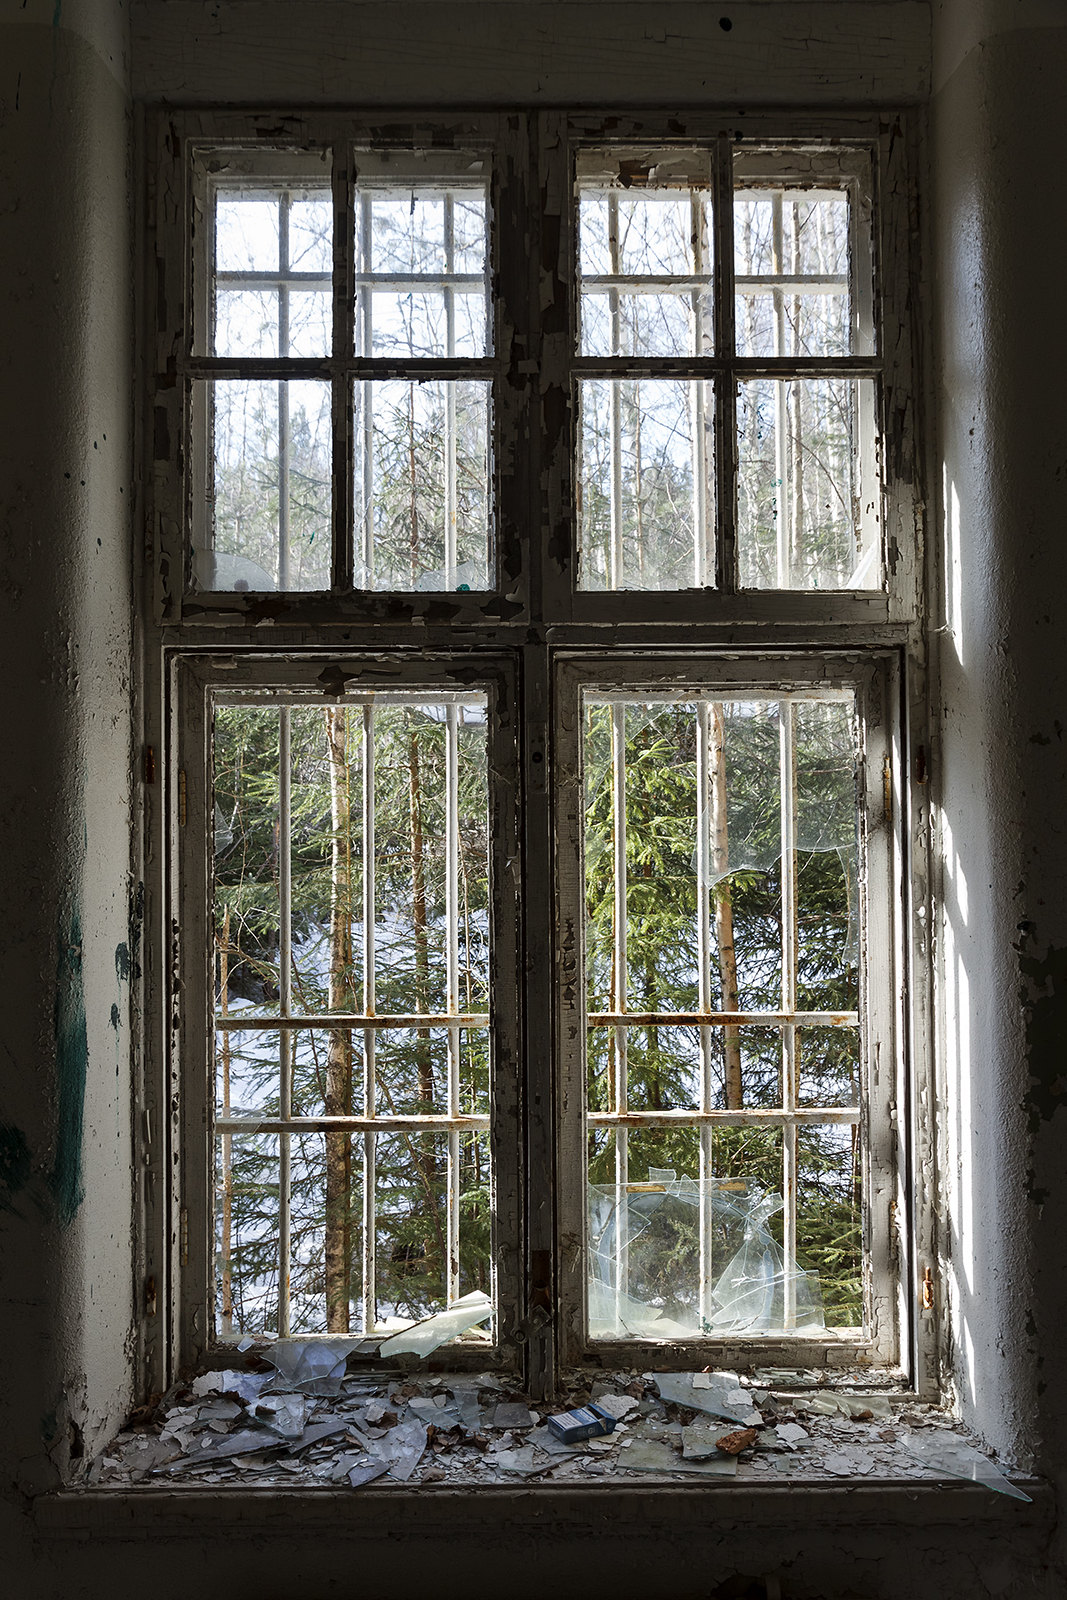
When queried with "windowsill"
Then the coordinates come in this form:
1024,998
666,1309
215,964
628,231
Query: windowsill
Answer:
382,1510
278,1457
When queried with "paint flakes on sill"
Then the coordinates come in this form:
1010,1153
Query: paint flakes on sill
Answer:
236,1429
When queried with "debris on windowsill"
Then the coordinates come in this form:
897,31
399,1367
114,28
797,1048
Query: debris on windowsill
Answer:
310,1423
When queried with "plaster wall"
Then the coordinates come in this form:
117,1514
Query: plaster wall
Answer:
998,237
65,854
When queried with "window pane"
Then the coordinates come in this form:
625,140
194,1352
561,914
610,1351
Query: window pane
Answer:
246,1234
830,1218
422,485
828,1067
646,467
422,269
676,1252
271,274
645,252
802,252
272,471
326,1252
387,807
808,497
827,862
411,1226
247,914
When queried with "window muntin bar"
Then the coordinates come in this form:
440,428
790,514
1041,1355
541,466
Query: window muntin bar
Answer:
344,786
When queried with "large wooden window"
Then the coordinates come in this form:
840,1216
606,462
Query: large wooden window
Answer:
536,596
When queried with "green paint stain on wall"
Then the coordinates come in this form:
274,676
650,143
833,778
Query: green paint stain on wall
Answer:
72,1066
14,1165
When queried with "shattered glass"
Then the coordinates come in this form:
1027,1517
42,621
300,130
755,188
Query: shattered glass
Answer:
461,1430
627,1224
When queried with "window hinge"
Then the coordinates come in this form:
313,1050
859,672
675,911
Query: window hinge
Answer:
184,1237
920,764
149,764
887,788
150,1297
928,1289
181,799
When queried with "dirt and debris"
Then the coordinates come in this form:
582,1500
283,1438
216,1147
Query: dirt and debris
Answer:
306,1421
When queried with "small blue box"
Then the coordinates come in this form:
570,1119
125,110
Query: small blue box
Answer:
588,1422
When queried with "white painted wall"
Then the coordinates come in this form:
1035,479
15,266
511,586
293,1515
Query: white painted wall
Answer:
999,235
65,617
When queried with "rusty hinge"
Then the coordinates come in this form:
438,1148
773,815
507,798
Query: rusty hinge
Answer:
181,798
183,1246
887,788
150,1297
149,764
927,1289
920,764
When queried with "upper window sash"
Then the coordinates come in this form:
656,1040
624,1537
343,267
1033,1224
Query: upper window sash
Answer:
684,401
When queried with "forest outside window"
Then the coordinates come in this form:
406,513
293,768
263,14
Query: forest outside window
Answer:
517,958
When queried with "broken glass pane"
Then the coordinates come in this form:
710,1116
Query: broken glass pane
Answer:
644,1262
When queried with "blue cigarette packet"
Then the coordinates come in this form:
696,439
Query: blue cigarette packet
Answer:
588,1422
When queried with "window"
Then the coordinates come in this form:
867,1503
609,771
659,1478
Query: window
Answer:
536,587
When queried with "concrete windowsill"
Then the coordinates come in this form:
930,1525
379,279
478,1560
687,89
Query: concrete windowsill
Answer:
380,1511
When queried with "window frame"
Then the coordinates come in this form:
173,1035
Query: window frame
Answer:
875,680
198,682
537,618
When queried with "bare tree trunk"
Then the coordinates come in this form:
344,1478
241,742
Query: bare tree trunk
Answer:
413,492
724,910
338,1098
418,918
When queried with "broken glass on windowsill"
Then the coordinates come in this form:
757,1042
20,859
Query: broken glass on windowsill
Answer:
233,1430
